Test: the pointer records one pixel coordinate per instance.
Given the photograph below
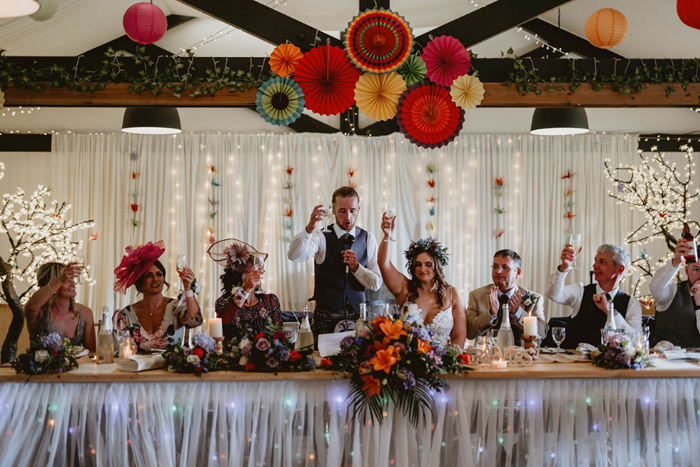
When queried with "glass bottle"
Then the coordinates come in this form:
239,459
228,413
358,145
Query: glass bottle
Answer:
305,337
361,323
691,257
504,338
610,325
105,342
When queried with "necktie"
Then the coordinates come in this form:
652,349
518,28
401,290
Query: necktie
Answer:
503,299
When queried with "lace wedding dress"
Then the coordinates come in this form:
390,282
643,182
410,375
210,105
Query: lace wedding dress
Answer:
441,325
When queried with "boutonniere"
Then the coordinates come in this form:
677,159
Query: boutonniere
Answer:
529,300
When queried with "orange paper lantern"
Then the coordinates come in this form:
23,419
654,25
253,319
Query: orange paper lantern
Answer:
606,28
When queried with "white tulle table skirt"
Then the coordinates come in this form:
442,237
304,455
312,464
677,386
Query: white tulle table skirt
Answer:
537,422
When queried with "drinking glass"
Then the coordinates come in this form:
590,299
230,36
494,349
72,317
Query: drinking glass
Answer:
258,262
390,211
575,242
328,213
80,261
180,265
559,334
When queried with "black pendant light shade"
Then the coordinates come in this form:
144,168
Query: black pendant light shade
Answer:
559,121
151,120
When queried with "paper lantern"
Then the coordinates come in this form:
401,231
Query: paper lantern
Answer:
689,12
145,23
606,28
46,11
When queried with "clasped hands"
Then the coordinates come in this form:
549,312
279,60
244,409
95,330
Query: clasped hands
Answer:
513,302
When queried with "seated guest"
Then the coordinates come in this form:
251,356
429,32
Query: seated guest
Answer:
589,304
427,296
53,308
242,307
484,310
677,304
154,321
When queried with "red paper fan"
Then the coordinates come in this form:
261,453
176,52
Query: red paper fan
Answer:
427,116
446,59
327,77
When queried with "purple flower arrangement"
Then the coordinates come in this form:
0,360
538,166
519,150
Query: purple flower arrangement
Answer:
197,360
53,355
618,352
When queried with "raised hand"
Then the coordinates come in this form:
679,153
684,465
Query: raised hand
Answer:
187,277
70,273
387,225
253,279
601,301
494,304
514,302
683,248
316,217
568,257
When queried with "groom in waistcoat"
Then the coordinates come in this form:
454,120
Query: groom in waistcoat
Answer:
589,304
345,263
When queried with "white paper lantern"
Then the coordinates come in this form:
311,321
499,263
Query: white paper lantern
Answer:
46,11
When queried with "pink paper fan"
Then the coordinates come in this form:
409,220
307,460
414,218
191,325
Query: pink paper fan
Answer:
446,60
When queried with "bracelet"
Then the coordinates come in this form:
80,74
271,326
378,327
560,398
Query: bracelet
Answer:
50,290
189,293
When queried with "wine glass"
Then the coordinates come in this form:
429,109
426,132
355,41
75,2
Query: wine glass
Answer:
327,214
258,262
390,211
80,262
559,334
575,242
180,265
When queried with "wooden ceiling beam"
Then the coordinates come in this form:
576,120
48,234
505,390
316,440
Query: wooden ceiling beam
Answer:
491,20
565,40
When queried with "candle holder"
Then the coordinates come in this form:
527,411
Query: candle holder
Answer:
529,341
219,349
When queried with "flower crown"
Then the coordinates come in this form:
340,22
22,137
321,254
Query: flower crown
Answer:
429,245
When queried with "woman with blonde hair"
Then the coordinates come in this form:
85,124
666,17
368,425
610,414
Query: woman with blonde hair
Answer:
53,308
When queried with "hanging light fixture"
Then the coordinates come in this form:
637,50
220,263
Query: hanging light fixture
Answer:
151,121
15,8
559,122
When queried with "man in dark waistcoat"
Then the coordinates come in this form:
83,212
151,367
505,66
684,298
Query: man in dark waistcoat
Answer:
677,304
589,304
345,263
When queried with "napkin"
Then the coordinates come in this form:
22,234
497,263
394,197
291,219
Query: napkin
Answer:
141,363
665,345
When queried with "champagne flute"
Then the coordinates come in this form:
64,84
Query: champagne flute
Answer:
327,214
390,210
558,334
180,265
575,242
80,262
258,262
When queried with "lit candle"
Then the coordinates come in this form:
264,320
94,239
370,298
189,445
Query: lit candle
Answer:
215,328
500,364
530,325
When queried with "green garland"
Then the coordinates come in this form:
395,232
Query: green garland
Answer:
174,73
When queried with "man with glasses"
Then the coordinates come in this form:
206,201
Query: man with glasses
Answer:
485,309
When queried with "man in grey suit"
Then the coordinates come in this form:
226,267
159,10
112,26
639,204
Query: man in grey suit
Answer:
485,303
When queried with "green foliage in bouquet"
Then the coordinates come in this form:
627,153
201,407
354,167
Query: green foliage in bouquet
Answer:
199,359
394,360
53,355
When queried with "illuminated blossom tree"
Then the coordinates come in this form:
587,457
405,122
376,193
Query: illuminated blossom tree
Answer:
37,233
664,193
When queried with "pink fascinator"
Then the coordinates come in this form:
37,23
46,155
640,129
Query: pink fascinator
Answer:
135,262
233,254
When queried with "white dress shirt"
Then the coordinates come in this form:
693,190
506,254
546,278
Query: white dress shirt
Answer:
313,245
571,295
663,289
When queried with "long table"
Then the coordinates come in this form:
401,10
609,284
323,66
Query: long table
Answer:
545,414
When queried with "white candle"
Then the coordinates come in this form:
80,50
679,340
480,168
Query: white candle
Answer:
530,326
215,328
500,364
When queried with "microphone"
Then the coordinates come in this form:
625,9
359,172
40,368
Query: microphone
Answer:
348,241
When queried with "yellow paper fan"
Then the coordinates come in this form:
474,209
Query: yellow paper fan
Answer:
467,92
284,59
377,95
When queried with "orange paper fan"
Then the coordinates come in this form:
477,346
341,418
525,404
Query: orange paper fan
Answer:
284,59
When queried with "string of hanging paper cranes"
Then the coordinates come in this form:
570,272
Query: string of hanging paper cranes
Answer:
378,72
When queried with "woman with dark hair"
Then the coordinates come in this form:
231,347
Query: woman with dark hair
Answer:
53,308
155,320
243,309
427,296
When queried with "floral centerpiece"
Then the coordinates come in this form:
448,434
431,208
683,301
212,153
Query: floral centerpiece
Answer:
199,359
53,355
618,352
396,360
268,351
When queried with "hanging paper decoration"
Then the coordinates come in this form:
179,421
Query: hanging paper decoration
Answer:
377,95
328,79
568,178
606,28
431,169
94,236
446,59
134,205
352,183
280,101
689,12
46,11
467,92
427,116
378,41
287,207
413,70
145,23
284,59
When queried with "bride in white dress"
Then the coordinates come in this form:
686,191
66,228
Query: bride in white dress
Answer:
427,296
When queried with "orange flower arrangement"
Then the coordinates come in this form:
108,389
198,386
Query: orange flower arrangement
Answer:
385,359
371,385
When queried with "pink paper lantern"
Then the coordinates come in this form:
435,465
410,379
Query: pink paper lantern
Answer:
145,23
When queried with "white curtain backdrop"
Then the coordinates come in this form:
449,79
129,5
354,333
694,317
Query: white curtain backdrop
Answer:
94,173
477,422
